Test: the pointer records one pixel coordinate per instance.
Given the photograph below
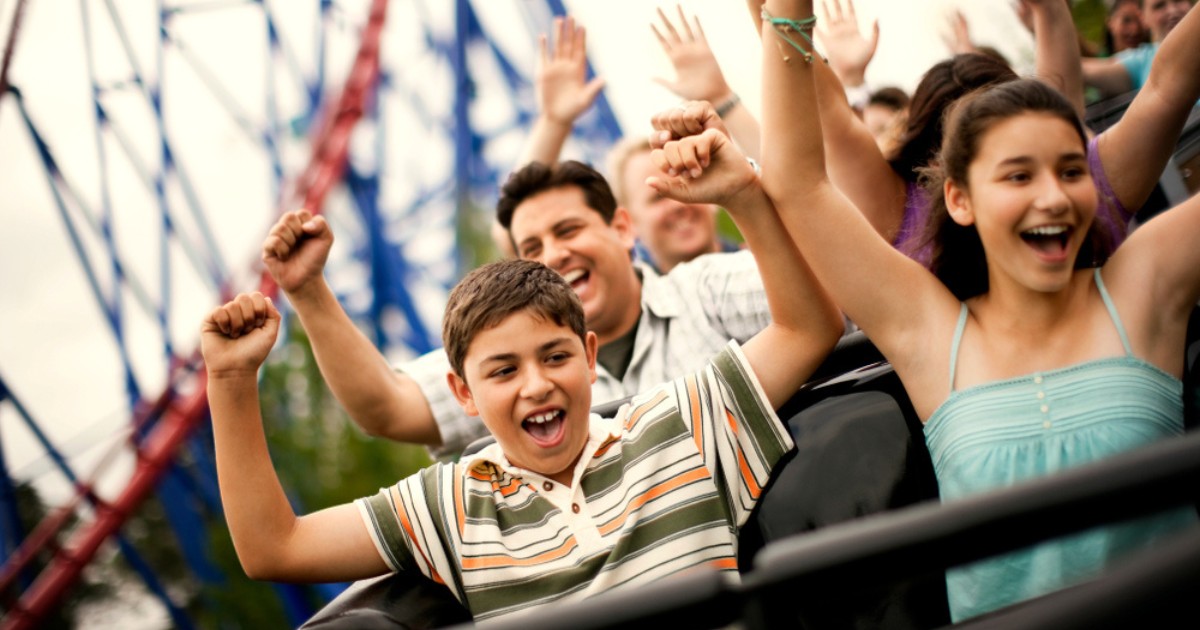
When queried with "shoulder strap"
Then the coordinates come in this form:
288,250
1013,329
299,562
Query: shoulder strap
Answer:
1112,313
958,333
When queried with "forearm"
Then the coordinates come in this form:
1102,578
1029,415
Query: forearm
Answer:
1058,59
1106,75
545,142
256,508
1175,73
803,318
836,240
853,158
743,128
378,399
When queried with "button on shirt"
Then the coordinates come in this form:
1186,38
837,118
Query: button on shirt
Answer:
688,315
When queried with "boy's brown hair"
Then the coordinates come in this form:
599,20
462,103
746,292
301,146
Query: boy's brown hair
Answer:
494,291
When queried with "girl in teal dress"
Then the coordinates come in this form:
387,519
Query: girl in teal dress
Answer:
1024,353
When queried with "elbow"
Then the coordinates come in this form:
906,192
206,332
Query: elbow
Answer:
261,569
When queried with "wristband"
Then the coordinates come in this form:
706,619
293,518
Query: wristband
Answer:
727,105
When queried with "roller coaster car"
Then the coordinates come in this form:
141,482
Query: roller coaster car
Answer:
860,449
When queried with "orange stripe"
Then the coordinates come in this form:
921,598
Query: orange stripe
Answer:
665,487
604,447
479,475
496,561
697,415
641,410
747,474
460,512
724,563
509,489
412,536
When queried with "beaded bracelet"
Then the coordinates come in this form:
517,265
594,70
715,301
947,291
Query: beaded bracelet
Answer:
783,26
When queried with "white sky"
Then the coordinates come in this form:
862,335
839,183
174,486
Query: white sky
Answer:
55,351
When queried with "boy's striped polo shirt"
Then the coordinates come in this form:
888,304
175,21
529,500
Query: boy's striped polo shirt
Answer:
660,488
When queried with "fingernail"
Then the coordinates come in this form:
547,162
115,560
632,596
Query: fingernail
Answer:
696,172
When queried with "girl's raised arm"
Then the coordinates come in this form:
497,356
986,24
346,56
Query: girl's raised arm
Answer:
899,304
1154,279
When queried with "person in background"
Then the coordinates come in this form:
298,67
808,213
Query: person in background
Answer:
1129,69
668,232
884,115
1123,28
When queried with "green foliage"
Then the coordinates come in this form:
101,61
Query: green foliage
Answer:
726,228
1089,16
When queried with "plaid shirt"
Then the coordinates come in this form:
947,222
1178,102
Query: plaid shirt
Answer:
688,315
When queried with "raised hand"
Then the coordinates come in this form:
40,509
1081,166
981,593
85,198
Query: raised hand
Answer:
848,51
237,337
1024,9
296,249
959,39
560,81
683,120
704,168
697,74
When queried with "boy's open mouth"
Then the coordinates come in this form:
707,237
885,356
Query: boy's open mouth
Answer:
576,278
1049,240
545,428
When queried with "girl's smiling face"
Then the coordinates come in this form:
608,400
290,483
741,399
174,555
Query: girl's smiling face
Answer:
1031,198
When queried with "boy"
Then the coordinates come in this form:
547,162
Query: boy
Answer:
565,505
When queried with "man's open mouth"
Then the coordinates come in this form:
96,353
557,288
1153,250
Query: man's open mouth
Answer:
576,278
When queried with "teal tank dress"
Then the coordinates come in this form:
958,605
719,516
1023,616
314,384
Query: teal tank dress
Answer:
998,434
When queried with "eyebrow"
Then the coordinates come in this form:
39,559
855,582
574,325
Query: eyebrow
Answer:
1025,159
512,356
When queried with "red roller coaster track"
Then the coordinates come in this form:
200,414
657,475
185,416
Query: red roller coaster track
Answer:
183,413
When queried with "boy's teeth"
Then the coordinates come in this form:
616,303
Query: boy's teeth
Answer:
542,418
573,275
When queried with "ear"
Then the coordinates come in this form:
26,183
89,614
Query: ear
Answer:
462,393
590,347
622,222
958,203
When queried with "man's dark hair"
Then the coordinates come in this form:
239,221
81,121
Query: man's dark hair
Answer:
537,177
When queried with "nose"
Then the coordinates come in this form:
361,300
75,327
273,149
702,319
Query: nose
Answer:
1053,197
554,255
536,385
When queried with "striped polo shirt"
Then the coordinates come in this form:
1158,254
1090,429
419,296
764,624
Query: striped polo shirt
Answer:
662,487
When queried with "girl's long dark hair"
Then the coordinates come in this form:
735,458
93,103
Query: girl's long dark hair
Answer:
940,87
